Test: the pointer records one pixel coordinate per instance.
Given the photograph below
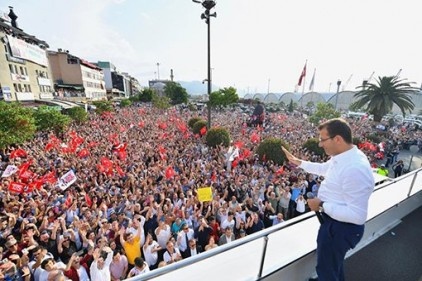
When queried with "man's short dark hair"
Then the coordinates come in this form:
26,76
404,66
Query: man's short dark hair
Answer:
337,127
139,261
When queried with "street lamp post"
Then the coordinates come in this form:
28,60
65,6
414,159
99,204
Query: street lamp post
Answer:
208,5
158,71
338,90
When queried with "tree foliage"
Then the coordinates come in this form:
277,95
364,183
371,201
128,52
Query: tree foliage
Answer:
312,145
103,106
176,93
161,102
223,97
193,120
291,106
50,119
378,98
270,149
324,111
144,96
125,102
17,124
78,114
216,136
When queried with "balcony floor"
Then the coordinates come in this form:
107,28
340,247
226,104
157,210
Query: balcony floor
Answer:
395,256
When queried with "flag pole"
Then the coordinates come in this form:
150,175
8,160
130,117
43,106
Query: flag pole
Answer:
303,87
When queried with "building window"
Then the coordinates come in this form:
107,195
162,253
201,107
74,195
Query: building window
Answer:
11,68
22,72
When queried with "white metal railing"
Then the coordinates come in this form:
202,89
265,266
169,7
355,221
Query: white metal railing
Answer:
272,249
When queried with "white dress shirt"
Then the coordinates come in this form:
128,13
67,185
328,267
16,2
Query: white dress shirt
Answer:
104,273
347,185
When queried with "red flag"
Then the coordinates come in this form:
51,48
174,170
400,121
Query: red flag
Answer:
88,200
24,167
213,176
169,172
238,144
83,153
49,147
280,171
161,125
49,177
69,201
26,176
141,124
255,137
203,130
18,153
302,75
16,187
245,153
235,163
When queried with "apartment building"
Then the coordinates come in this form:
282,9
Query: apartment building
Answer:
24,68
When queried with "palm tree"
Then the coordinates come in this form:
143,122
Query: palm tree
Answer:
378,98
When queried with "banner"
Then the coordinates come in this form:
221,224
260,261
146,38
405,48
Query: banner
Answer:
10,170
204,194
23,50
66,180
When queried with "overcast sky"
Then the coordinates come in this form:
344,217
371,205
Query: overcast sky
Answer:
256,45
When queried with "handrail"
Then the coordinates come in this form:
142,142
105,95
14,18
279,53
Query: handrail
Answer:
270,236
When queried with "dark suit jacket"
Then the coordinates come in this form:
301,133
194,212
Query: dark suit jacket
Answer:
198,250
223,239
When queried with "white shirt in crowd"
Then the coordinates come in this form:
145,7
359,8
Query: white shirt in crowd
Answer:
151,258
104,273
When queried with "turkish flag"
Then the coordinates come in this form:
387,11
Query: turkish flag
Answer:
69,201
49,177
83,153
18,153
88,200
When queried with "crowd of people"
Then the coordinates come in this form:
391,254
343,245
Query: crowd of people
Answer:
118,196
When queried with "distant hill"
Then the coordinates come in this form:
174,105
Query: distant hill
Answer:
196,88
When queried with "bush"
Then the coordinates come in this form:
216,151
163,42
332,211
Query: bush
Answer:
356,140
125,103
78,114
375,138
50,119
193,120
271,148
198,126
312,145
102,106
216,136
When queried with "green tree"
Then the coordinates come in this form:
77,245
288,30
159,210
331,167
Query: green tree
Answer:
271,148
216,136
78,114
161,102
324,111
193,120
224,97
291,107
17,124
50,119
313,146
103,106
378,98
176,93
144,96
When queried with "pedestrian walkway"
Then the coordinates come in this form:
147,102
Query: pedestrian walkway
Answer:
406,156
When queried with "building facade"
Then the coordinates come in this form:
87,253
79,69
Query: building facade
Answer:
24,68
76,79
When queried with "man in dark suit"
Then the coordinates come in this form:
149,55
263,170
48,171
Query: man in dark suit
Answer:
227,237
193,248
